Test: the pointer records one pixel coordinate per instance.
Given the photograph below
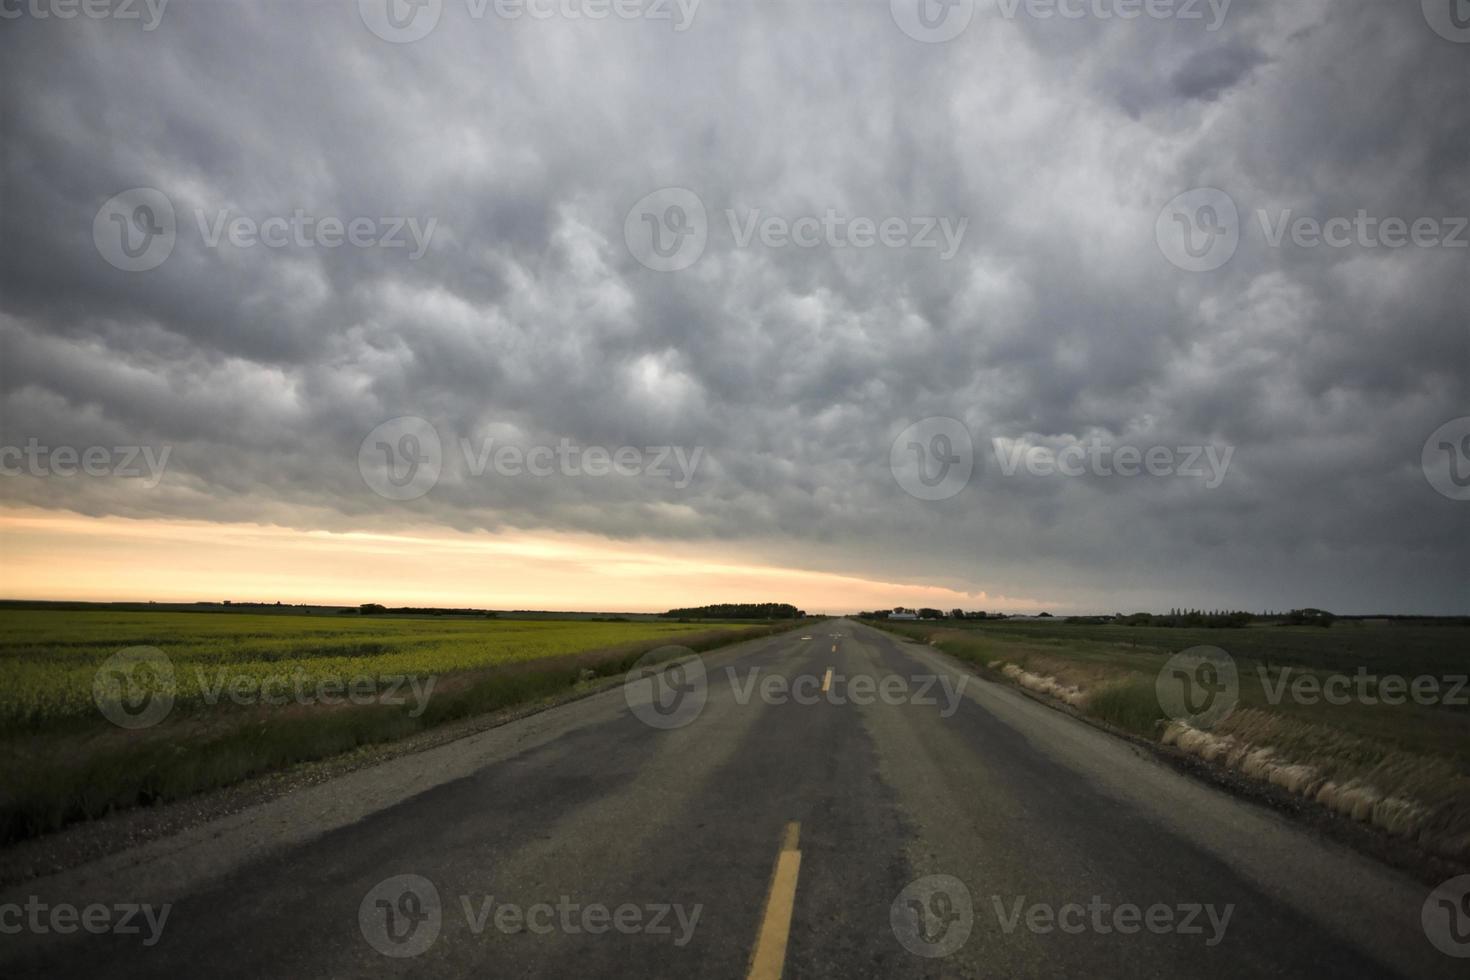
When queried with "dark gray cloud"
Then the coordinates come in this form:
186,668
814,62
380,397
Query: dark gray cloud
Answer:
528,319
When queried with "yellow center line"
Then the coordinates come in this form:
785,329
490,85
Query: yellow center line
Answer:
769,958
827,681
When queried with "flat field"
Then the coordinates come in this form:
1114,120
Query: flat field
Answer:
51,658
1371,719
245,694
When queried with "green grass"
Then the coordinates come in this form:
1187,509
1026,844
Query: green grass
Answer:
1130,705
61,761
1379,647
50,658
1409,751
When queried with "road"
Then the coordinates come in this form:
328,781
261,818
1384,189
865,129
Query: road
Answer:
812,823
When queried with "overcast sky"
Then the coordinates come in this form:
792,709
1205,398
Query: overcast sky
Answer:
1036,287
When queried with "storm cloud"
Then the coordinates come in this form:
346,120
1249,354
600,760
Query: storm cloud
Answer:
516,152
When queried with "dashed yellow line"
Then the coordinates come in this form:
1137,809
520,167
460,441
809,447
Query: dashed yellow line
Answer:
827,681
769,957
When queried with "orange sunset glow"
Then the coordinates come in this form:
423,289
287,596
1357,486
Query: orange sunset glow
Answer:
65,556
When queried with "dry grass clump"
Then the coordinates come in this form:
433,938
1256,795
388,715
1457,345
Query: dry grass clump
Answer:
1422,798
1043,684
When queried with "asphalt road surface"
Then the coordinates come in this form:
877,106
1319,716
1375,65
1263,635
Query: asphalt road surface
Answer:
829,803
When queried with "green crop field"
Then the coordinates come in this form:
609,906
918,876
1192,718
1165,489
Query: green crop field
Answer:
251,693
50,658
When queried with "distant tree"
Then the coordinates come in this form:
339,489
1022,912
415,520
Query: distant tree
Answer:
372,608
1310,617
739,610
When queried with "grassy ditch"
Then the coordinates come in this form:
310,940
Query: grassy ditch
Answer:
1390,746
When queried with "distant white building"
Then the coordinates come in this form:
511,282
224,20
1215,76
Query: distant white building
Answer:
902,613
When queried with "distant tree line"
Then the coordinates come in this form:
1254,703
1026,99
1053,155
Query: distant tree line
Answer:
1226,618
1180,618
1189,618
378,609
738,610
927,613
